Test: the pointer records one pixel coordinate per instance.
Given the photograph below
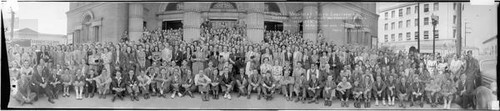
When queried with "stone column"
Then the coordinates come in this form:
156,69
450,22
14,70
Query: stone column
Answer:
135,21
310,16
191,21
255,22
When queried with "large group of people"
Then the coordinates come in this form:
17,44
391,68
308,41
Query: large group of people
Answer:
162,65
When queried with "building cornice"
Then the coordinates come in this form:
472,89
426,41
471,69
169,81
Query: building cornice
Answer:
355,8
84,7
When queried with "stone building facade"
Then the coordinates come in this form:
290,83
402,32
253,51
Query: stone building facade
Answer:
341,23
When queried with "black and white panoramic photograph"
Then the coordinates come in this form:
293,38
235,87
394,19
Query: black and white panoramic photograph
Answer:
218,55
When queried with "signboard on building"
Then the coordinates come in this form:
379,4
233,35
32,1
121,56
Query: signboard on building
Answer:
44,42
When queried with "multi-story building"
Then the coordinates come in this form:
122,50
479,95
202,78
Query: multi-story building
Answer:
341,23
398,26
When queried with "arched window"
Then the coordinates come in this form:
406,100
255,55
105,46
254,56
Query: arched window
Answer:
272,7
85,33
223,5
173,7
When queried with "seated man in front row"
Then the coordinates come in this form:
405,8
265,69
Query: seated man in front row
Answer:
118,86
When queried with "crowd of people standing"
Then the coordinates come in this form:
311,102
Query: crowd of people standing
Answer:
224,62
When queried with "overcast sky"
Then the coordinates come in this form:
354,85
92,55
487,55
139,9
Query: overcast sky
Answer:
51,15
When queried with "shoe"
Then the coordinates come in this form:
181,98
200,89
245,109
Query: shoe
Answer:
248,97
421,105
51,101
179,94
173,96
229,96
91,95
326,103
258,97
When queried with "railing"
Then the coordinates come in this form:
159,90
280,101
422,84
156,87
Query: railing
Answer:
486,80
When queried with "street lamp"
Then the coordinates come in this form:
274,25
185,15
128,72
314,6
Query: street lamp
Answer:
435,20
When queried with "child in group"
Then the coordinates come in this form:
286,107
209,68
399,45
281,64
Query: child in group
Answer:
343,89
403,91
216,79
242,82
379,90
203,81
391,90
79,83
287,85
447,90
144,82
254,84
329,90
417,92
102,82
268,86
67,81
227,83
357,92
175,82
187,81
368,85
432,89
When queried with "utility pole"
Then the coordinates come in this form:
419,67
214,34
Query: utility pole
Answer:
434,23
418,27
459,28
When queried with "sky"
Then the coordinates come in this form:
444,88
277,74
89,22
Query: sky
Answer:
51,16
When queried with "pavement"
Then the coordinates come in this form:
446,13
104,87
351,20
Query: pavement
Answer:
186,102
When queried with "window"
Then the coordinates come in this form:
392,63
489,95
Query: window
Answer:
426,7
436,34
416,22
454,19
400,24
454,6
426,34
400,37
386,15
393,13
386,38
392,25
393,37
416,35
400,12
436,6
416,9
386,26
454,33
407,23
408,36
96,34
408,11
349,35
426,21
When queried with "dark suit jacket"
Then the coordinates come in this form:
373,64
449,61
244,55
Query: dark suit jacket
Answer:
117,84
403,88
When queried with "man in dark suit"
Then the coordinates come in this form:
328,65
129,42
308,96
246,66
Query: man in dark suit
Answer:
41,81
118,86
131,84
314,89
